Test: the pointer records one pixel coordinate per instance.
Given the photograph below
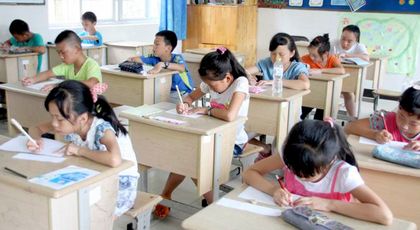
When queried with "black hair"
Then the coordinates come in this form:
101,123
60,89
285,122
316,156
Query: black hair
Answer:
169,37
215,65
322,43
18,27
89,16
282,39
68,36
312,145
355,29
74,98
410,101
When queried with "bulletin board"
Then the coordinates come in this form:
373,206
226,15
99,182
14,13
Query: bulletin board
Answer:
23,2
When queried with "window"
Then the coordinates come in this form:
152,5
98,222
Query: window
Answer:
68,12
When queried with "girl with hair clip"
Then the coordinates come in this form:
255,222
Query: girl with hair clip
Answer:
319,165
89,124
226,82
403,125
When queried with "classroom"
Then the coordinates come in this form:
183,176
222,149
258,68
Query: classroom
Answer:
209,114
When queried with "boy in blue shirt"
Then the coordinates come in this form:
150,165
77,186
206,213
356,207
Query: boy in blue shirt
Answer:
163,58
90,36
23,38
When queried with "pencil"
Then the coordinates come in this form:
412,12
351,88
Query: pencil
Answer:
179,94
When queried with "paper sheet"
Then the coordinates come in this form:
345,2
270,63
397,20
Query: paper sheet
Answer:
18,144
253,194
144,110
38,86
174,112
64,177
167,119
249,207
36,157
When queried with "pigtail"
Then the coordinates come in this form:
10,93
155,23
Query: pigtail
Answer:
237,69
102,109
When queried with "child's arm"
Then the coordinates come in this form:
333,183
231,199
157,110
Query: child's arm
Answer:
301,83
338,68
172,66
188,100
90,37
362,128
38,49
231,112
6,44
91,82
36,133
43,76
135,59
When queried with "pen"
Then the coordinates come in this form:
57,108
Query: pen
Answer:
18,126
16,173
383,119
282,185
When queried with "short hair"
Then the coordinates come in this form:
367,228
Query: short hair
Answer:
18,27
69,37
169,37
281,39
354,29
410,101
89,16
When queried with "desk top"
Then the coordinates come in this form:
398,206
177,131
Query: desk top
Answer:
34,168
286,95
192,57
133,44
85,47
19,88
204,125
218,217
114,69
204,51
357,66
328,76
7,55
363,154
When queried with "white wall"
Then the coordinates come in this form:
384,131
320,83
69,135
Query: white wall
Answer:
309,23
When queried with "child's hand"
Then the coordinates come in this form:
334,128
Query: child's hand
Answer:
383,136
315,71
314,203
69,150
134,59
33,148
413,145
182,108
156,69
282,197
263,82
48,88
28,81
198,110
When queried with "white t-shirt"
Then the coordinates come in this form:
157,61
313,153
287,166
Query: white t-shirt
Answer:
357,48
222,100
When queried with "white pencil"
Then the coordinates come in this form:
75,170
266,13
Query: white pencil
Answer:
179,94
18,126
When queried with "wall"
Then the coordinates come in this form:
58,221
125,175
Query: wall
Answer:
309,23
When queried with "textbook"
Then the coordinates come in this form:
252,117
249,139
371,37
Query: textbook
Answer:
354,61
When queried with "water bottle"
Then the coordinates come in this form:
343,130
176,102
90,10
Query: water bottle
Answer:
277,76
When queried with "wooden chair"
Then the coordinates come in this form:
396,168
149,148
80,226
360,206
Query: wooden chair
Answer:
386,94
142,210
248,156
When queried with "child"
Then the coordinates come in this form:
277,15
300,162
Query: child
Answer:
225,80
25,39
163,58
349,47
93,131
295,75
404,125
319,165
90,35
320,61
75,66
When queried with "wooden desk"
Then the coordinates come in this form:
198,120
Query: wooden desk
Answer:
132,89
14,67
354,83
202,148
25,205
325,93
218,217
377,70
119,51
95,52
397,185
25,105
274,115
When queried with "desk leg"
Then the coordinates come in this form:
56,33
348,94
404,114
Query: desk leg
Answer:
156,90
335,102
143,180
217,165
84,209
290,116
359,104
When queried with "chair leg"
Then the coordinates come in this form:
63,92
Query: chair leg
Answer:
142,221
375,102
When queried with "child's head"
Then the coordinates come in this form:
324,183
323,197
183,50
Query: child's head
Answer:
282,45
349,36
89,21
71,105
219,69
19,30
319,48
165,42
69,46
408,115
312,146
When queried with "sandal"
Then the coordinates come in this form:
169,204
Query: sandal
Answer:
263,155
161,211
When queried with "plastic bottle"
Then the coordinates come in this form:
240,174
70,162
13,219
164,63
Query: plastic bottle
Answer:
278,76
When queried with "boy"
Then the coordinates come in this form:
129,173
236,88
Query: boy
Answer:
163,58
22,37
75,66
90,35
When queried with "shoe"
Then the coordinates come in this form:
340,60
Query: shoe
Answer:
161,211
262,155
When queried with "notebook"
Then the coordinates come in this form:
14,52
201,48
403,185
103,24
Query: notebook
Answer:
354,61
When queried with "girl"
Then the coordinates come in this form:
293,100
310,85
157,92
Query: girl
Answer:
319,166
90,125
349,47
225,80
320,61
404,125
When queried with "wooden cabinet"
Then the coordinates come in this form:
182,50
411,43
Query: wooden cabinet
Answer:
232,26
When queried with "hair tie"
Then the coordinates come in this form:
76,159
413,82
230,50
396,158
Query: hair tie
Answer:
98,89
329,120
221,50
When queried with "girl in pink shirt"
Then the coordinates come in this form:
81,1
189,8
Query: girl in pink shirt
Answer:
318,165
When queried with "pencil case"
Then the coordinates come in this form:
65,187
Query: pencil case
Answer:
130,66
304,218
397,155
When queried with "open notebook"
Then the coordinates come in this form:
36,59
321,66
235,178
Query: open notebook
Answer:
354,61
18,144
